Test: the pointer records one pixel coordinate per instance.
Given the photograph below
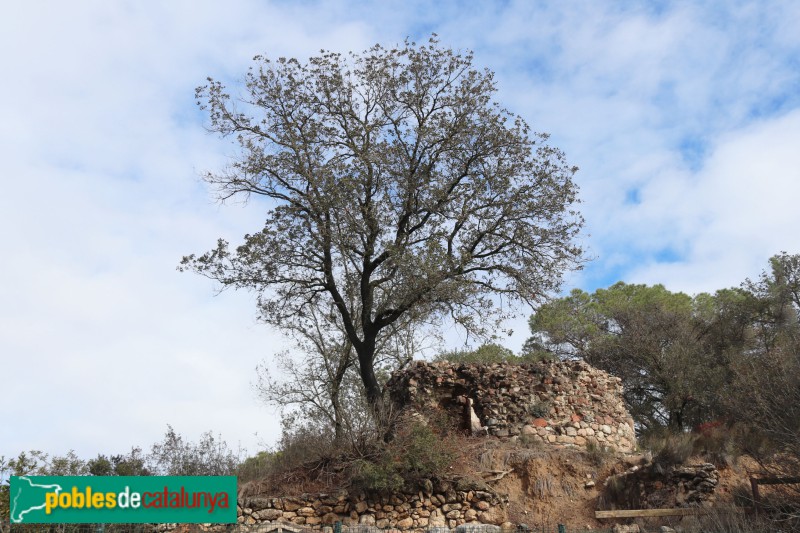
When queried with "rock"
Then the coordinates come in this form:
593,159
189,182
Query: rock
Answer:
367,520
621,528
405,523
268,515
291,504
495,515
436,519
361,507
257,504
330,518
306,511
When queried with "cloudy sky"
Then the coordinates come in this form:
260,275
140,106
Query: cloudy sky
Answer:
684,118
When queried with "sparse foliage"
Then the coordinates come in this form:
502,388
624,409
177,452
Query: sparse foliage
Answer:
35,463
133,463
485,353
323,387
396,190
175,457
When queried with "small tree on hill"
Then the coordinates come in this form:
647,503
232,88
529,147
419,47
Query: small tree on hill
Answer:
323,388
396,190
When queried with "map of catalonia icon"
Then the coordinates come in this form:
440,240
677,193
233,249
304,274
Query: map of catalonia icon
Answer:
122,499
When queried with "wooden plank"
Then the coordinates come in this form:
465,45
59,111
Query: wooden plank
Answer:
635,513
756,495
776,480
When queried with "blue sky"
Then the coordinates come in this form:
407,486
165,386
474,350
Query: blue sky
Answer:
683,117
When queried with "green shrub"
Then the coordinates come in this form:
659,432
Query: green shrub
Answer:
414,454
376,477
258,466
539,409
424,453
486,353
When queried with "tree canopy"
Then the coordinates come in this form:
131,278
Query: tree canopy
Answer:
397,190
685,360
643,334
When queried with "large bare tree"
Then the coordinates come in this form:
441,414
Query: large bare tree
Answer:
395,187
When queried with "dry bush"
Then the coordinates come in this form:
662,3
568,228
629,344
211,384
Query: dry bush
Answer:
598,455
718,444
668,448
731,519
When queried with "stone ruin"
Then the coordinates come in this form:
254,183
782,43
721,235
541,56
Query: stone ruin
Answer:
554,402
557,403
655,486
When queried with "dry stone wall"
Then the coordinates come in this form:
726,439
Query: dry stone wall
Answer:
444,506
655,486
555,402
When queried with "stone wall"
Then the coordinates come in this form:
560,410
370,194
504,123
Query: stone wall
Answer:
655,487
445,505
567,403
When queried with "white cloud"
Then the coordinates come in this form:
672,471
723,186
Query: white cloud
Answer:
101,145
737,211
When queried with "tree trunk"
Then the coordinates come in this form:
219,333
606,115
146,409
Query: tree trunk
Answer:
336,391
372,387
